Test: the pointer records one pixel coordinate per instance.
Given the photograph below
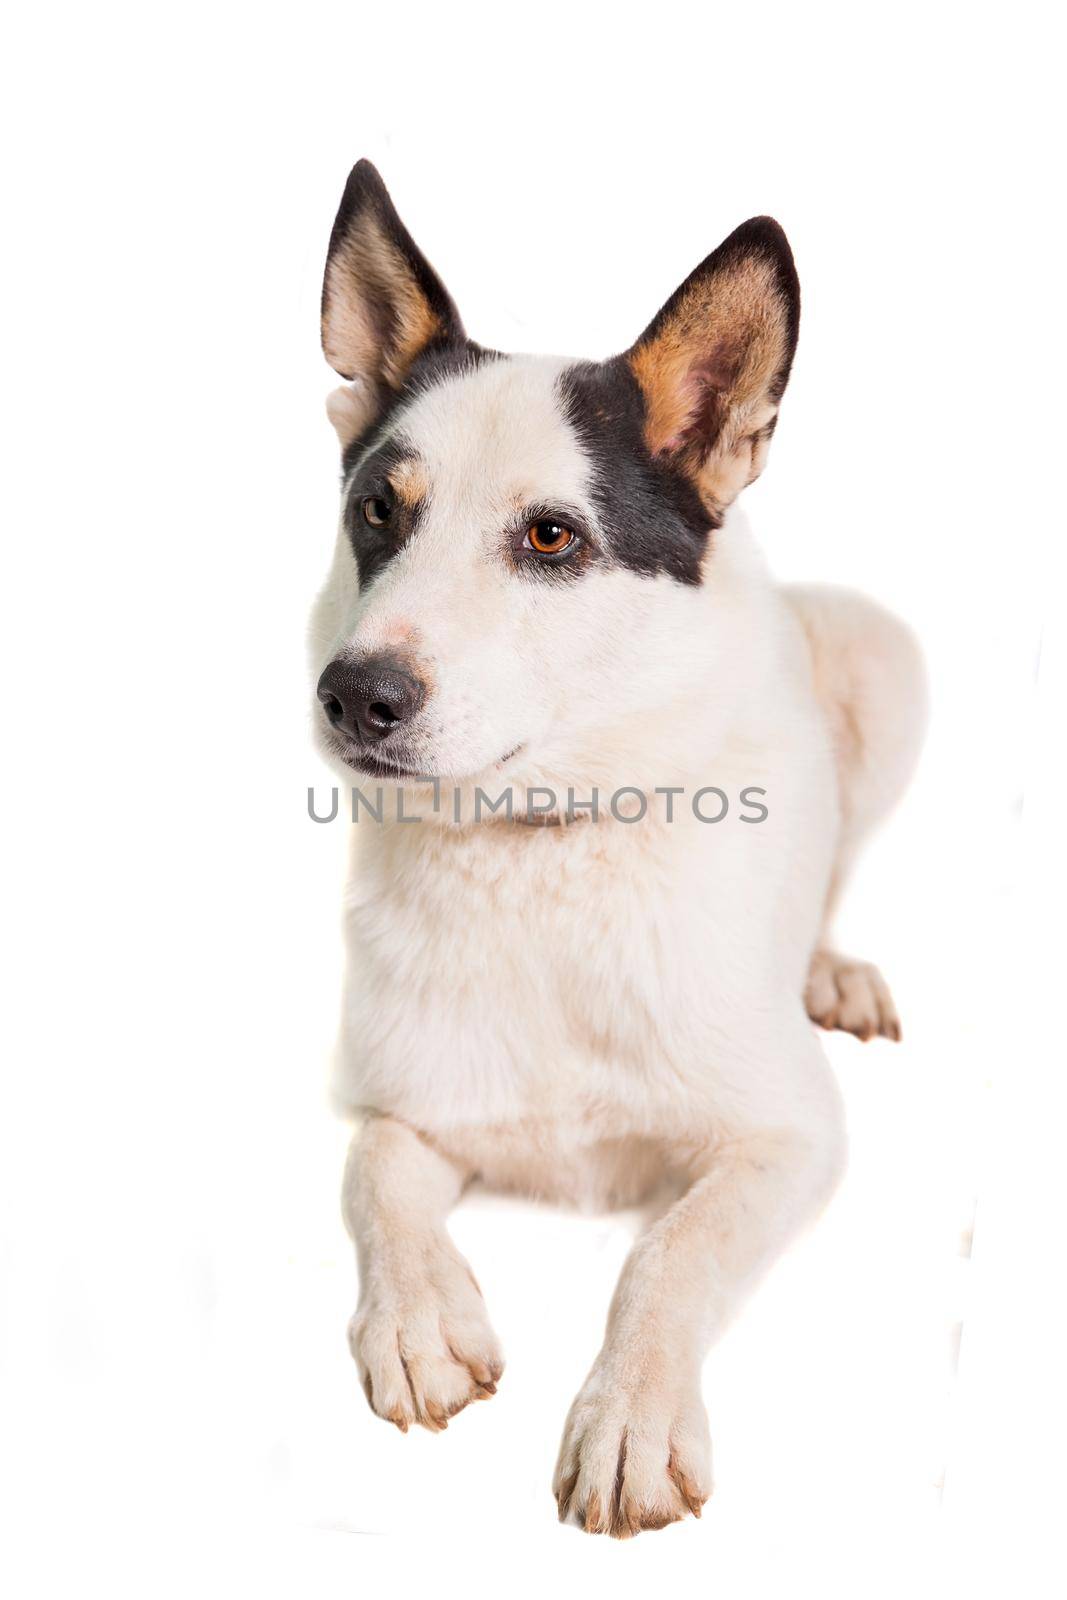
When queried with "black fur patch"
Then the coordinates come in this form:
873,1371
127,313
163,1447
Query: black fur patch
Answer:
373,547
653,517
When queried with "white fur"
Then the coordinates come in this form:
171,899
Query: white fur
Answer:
590,1011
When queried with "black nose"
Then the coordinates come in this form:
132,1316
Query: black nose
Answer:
367,700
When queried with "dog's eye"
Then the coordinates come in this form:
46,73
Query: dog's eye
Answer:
376,511
549,538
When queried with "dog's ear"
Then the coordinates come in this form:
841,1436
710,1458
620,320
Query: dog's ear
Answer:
382,302
713,365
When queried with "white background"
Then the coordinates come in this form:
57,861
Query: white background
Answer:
180,1412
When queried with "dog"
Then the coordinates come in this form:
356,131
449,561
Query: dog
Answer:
542,585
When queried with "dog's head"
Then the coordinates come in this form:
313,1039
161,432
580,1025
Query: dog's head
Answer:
525,540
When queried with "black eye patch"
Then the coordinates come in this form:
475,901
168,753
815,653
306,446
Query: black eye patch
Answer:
379,520
653,519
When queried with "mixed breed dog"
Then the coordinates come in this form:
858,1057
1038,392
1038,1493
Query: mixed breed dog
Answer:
541,581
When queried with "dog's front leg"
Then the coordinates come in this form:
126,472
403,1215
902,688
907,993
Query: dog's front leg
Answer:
636,1452
420,1336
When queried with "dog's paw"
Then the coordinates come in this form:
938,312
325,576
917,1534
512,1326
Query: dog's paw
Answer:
633,1456
851,995
424,1346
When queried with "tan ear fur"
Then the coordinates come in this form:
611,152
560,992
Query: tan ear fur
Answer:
713,364
382,302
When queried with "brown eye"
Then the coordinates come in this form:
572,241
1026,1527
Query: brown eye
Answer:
549,538
375,511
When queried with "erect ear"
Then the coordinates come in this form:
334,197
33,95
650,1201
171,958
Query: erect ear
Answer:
382,302
714,363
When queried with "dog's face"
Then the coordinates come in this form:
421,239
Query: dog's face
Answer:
524,540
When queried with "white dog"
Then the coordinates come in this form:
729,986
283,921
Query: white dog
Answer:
544,608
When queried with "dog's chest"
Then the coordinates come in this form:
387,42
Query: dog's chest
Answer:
541,972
